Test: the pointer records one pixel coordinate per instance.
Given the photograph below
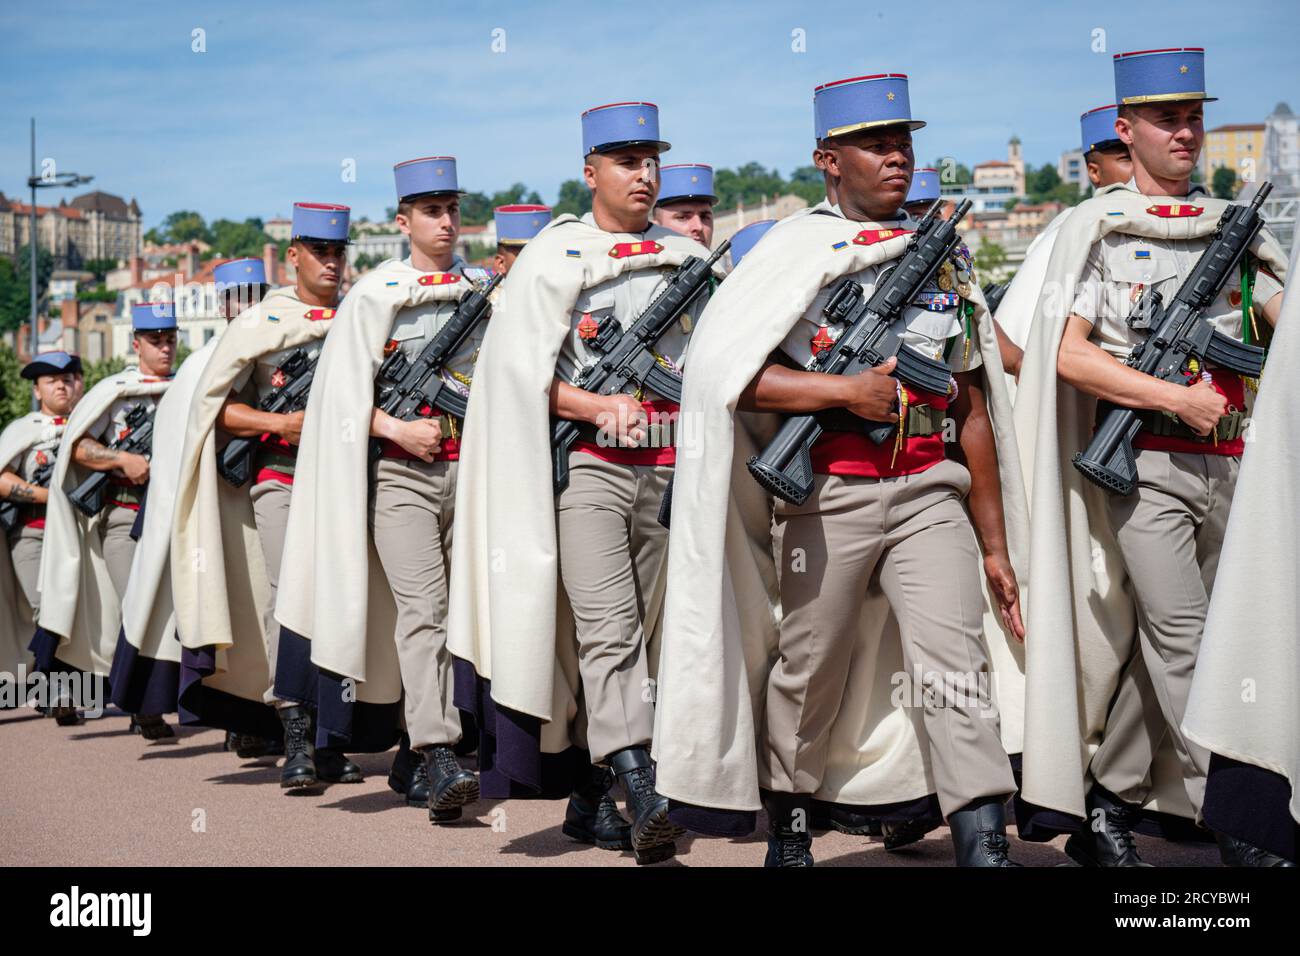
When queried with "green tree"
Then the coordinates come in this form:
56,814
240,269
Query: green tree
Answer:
15,286
234,240
97,294
99,267
96,372
184,226
747,184
574,199
1224,182
808,183
989,258
15,391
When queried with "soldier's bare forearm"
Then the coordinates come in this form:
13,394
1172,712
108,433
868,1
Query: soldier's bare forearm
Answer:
244,421
977,449
91,454
1088,368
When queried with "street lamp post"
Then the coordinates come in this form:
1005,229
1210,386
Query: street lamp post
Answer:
36,182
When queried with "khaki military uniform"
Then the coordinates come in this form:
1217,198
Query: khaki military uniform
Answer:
1170,530
612,547
122,498
412,508
909,536
25,541
270,496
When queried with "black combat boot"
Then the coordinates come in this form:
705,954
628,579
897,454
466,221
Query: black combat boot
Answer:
299,768
451,786
410,776
1105,838
592,815
979,834
652,832
250,747
150,727
333,766
843,819
1235,852
901,833
789,839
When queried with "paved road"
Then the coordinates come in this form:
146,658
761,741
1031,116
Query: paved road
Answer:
96,795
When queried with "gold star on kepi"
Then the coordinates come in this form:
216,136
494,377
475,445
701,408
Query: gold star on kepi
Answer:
890,96
695,179
1182,69
438,171
334,222
640,121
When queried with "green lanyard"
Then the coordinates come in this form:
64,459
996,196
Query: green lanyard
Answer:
968,313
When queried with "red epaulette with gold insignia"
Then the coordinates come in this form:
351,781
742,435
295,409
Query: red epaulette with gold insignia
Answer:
439,278
316,315
868,237
622,250
822,341
60,421
1178,211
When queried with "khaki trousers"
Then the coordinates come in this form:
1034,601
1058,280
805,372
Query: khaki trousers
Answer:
612,547
411,514
271,515
910,536
1170,532
25,552
115,530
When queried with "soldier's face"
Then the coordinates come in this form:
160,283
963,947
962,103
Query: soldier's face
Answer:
690,217
433,224
319,266
505,258
626,180
1164,138
1109,166
874,167
157,350
56,393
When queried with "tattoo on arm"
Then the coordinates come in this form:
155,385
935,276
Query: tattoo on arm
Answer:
90,451
22,494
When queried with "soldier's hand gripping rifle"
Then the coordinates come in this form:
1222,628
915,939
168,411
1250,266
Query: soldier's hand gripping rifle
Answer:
11,510
627,358
1179,333
88,497
235,463
419,384
873,334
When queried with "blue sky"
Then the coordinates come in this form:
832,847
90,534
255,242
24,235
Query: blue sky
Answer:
285,93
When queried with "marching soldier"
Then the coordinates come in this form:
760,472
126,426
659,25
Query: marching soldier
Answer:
82,580
686,201
1134,239
224,581
909,518
27,450
604,542
411,508
145,678
515,226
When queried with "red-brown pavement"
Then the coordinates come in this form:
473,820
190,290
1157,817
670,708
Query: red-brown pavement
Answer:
95,795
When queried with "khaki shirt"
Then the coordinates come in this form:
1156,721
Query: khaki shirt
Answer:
932,332
1120,267
625,297
111,425
415,327
26,463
